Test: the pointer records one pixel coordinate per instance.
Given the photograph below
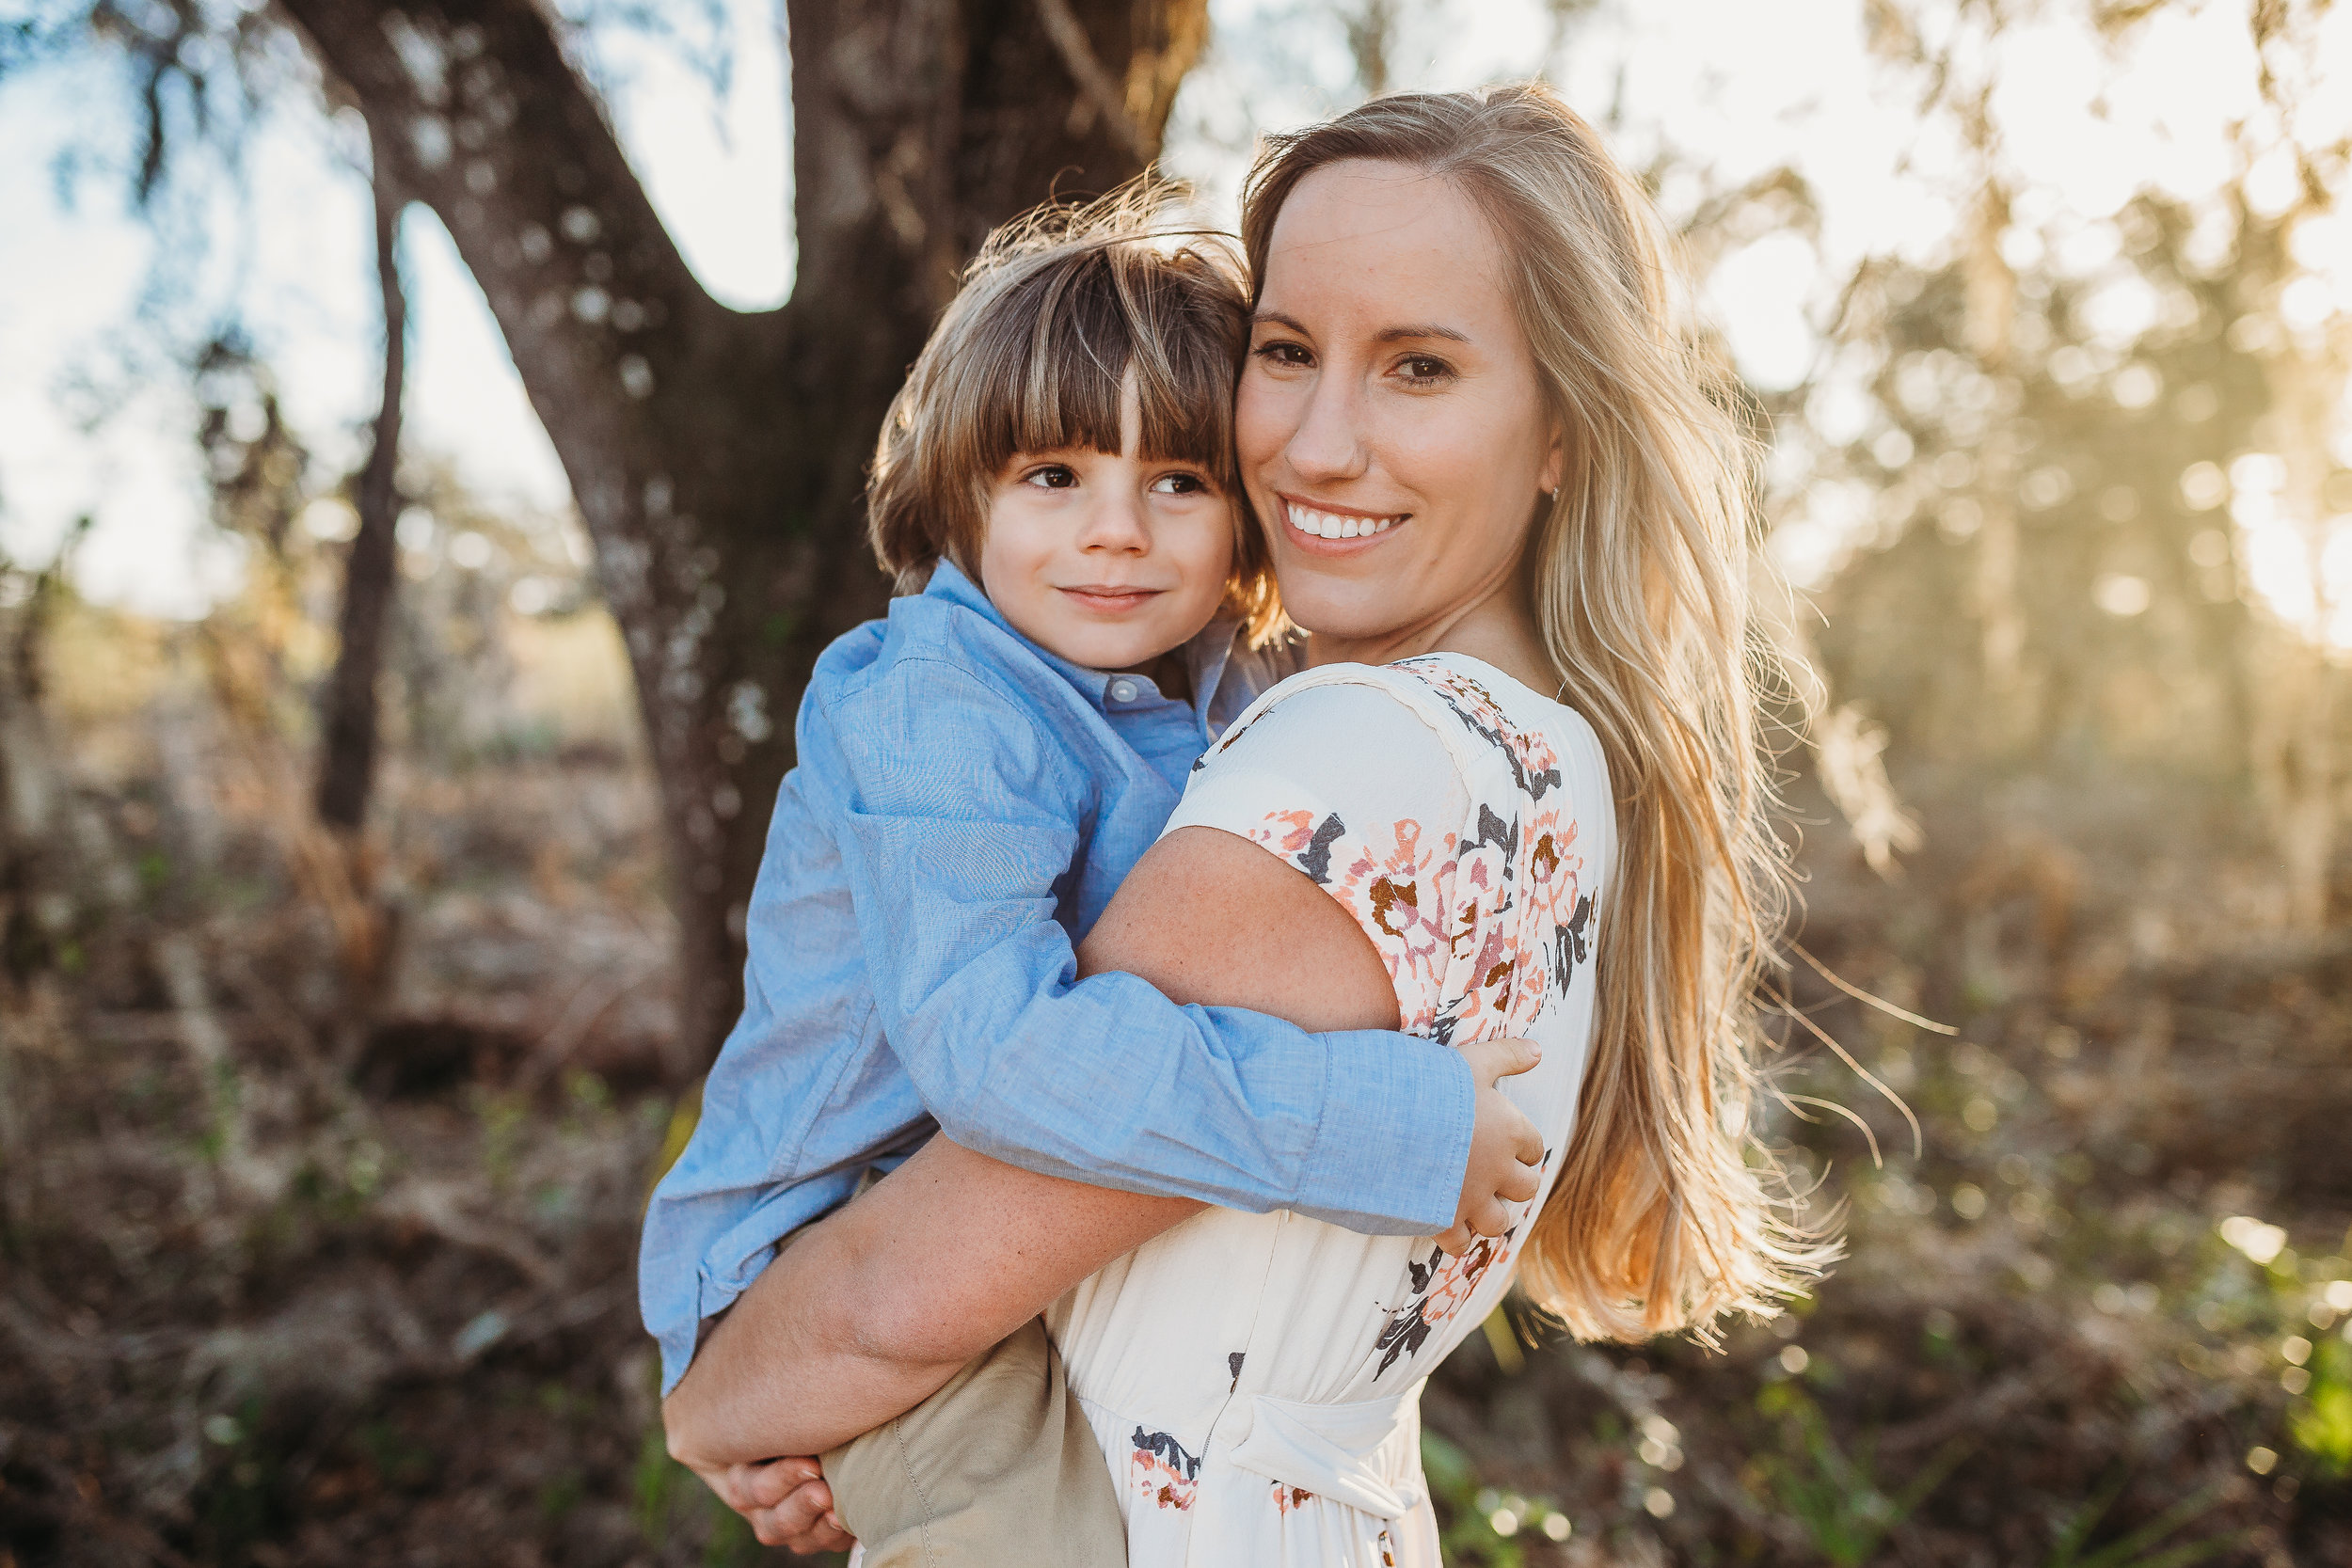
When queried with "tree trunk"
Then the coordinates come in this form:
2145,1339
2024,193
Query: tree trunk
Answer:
718,457
347,755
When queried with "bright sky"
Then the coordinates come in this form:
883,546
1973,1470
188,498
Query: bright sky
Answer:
1738,85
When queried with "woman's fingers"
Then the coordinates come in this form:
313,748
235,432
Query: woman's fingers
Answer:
746,1487
787,1503
803,1521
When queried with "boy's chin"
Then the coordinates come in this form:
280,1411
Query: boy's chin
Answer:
1099,654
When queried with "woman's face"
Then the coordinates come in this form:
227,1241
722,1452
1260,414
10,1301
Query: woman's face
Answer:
1392,429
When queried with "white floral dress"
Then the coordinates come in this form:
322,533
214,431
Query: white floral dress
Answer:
1255,1379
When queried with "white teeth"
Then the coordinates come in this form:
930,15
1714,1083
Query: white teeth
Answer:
1328,525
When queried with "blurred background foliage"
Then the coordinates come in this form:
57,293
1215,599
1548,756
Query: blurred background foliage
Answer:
322,1150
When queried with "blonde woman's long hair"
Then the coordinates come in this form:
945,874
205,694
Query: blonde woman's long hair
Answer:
1638,570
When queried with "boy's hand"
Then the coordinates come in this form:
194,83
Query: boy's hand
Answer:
1506,1152
787,1503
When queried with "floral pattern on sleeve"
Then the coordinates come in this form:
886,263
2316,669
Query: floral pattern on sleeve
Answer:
1477,922
1397,895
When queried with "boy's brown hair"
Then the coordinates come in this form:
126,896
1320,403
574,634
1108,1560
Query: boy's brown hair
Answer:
1057,309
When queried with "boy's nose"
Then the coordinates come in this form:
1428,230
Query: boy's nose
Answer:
1115,522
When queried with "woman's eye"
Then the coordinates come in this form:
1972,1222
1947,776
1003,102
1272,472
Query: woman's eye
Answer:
1053,476
1288,355
1425,367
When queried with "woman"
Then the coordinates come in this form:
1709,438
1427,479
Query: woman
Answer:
1519,793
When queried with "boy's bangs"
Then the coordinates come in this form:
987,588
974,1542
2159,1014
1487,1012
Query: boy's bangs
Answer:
1063,389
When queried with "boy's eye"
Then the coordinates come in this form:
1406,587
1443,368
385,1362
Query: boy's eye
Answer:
1052,476
1181,484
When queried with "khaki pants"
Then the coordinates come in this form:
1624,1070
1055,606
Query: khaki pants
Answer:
998,1469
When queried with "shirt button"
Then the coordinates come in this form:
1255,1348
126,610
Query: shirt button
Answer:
1122,691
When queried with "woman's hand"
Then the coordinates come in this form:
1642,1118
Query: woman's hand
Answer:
785,1501
1506,1152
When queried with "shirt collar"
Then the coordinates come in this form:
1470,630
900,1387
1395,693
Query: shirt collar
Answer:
1206,657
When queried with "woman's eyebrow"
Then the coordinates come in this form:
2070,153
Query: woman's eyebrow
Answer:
1386,335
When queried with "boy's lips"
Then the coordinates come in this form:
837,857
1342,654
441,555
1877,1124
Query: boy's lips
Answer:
1101,595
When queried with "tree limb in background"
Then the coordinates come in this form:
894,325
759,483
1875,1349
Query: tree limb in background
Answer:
1070,41
347,757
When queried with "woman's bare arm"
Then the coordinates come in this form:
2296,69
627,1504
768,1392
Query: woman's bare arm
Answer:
872,1309
877,1307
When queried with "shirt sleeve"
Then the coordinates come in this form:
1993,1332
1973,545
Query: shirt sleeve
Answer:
958,825
1351,787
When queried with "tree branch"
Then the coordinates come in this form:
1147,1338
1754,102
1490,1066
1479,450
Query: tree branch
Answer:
1070,41
474,111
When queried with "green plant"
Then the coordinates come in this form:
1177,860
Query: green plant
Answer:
2136,1550
656,1482
730,1542
1836,1496
2321,1423
1482,1524
504,1119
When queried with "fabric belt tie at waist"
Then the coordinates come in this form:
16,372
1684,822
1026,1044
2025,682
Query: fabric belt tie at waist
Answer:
1366,1454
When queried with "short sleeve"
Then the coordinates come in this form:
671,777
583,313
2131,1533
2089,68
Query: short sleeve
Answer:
1353,789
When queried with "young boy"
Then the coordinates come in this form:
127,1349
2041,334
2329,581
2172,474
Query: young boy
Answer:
1053,489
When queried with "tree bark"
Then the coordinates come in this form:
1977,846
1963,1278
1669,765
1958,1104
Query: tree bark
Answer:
718,457
347,756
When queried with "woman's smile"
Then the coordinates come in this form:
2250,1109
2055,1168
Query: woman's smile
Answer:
1327,525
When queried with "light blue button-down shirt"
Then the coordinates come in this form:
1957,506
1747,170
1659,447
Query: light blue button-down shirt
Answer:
964,806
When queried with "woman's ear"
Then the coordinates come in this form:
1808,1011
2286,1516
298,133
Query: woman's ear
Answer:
1555,461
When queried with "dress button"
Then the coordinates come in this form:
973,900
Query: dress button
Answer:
1122,691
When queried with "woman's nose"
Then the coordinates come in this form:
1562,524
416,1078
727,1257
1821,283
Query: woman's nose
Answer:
1328,445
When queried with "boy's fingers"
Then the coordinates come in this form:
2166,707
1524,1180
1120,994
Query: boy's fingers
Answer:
1455,1240
1521,1184
1527,1143
1493,1059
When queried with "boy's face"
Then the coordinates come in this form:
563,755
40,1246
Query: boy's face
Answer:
1106,560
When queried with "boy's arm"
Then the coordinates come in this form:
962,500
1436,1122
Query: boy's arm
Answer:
956,821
